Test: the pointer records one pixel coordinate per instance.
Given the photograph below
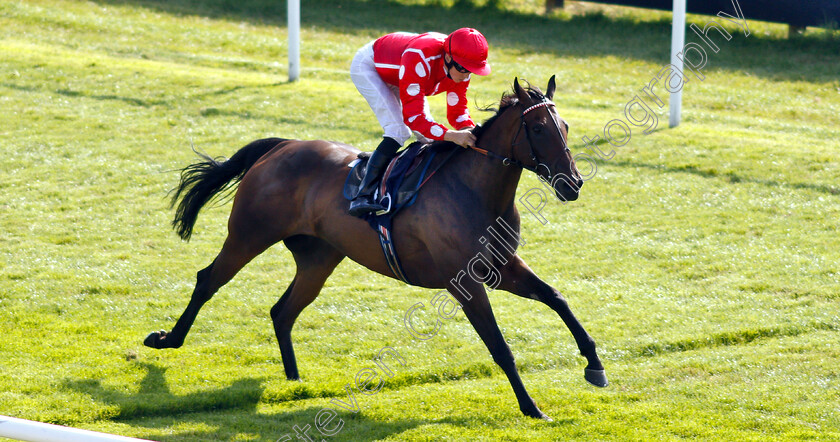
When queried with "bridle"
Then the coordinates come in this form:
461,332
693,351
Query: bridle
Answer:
507,161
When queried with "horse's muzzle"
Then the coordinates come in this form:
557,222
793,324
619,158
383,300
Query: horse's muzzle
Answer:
568,190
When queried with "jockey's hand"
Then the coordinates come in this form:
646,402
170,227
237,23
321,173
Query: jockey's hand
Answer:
463,137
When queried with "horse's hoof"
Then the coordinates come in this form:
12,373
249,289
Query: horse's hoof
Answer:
540,415
536,413
154,339
597,378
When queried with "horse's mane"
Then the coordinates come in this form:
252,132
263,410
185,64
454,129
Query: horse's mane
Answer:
508,99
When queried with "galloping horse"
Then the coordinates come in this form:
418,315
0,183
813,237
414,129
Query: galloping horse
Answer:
291,191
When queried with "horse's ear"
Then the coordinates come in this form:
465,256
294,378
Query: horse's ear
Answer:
551,86
520,93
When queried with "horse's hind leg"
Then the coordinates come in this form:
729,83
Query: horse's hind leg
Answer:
233,256
315,261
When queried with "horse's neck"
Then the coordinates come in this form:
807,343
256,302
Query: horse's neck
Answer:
491,180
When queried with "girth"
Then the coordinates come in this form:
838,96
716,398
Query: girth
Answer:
401,183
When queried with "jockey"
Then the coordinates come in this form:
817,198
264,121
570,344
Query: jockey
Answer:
395,73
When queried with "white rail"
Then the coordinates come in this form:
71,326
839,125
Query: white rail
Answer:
22,429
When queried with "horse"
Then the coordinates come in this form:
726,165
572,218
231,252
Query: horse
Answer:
291,191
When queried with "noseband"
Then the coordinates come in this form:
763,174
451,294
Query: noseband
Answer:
507,161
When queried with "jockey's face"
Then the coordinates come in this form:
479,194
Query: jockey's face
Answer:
455,71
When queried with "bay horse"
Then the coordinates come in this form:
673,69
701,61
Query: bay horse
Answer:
291,191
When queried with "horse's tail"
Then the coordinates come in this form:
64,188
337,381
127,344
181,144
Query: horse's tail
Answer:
206,180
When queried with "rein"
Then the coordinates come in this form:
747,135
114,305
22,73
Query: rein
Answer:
507,161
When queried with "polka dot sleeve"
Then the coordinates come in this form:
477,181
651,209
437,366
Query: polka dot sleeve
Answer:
457,111
413,77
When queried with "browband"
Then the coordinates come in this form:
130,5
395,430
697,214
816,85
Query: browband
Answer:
540,104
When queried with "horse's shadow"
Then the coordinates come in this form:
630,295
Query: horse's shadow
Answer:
224,413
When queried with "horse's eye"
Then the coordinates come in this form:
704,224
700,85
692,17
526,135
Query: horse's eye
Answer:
538,129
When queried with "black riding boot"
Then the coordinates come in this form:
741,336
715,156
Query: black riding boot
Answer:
363,201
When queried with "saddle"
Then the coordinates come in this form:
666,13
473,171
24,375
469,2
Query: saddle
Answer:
404,176
398,188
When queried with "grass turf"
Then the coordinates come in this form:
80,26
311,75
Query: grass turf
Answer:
703,259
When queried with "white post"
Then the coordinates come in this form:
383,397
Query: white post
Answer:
294,39
677,45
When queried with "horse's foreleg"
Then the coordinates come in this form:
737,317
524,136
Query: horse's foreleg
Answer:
315,261
518,279
480,314
230,260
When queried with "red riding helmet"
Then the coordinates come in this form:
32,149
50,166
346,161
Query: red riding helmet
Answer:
469,49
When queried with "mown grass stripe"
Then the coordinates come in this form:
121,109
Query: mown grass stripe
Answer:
727,338
52,56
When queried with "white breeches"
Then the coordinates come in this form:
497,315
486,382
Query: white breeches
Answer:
383,98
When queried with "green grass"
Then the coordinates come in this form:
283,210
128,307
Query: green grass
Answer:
704,260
